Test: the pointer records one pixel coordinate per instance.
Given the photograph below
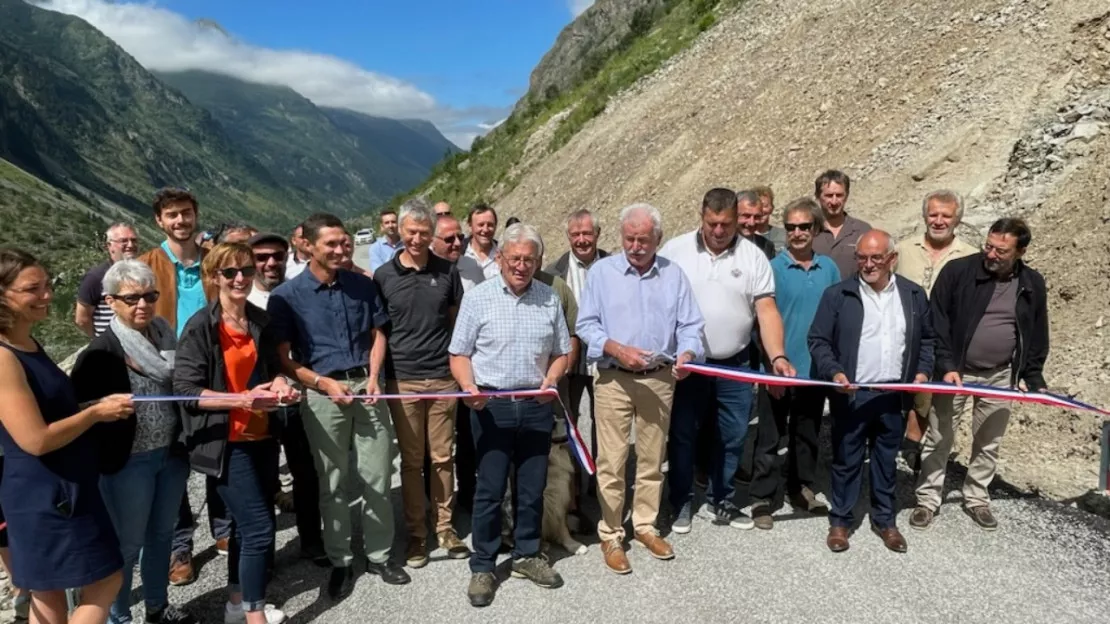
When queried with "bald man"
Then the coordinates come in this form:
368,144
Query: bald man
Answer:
441,208
871,328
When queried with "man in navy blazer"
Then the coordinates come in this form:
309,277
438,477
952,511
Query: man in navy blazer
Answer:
871,328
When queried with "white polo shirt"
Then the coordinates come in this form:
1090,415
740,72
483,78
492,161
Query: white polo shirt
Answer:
473,271
882,342
726,287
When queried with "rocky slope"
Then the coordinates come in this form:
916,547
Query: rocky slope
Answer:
1005,101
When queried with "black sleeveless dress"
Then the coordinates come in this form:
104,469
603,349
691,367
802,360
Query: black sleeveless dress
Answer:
59,532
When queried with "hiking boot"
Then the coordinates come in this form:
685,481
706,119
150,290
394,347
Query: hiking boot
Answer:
449,541
537,570
922,518
416,556
682,520
982,516
181,569
727,514
806,500
481,589
169,615
761,516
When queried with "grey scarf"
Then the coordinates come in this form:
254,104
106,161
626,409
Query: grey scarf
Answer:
151,359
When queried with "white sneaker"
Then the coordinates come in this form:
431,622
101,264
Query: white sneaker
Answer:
234,614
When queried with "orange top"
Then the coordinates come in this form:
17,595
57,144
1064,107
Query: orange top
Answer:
240,357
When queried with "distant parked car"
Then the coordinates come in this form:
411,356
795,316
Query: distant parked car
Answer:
364,237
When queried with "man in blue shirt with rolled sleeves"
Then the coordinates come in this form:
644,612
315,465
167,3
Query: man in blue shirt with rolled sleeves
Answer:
801,276
332,322
640,323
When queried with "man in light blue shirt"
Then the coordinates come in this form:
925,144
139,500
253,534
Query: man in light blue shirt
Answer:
637,317
389,244
801,276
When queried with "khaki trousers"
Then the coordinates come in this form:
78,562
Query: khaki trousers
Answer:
988,424
620,399
420,424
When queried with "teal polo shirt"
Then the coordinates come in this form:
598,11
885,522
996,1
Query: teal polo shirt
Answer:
190,289
797,292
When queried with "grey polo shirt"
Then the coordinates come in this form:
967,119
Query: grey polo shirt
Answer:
842,248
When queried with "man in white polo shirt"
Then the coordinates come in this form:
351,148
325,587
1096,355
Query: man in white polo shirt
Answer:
733,285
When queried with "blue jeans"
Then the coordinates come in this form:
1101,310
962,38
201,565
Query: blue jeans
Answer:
509,433
731,403
246,487
869,419
142,500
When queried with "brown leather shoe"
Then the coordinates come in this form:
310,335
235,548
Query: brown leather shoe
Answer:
892,538
837,541
222,546
615,558
181,569
657,546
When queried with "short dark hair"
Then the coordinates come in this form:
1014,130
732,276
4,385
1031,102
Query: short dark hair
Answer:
478,209
12,263
387,211
511,221
832,175
311,227
718,200
750,198
173,195
1013,227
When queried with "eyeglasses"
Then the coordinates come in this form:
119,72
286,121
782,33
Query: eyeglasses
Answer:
790,227
451,240
876,259
133,300
266,257
124,241
230,272
527,261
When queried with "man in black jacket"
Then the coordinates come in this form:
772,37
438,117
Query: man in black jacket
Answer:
991,316
870,328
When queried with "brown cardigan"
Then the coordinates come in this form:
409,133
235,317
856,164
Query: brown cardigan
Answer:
165,279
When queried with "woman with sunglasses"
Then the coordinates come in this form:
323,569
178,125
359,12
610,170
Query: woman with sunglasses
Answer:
227,359
60,533
142,460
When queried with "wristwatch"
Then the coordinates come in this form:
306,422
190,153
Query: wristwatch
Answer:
779,357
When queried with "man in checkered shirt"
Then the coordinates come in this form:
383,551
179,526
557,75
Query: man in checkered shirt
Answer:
510,334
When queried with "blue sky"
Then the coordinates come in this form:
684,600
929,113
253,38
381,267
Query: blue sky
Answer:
460,64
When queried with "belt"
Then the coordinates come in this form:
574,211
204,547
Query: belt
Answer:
358,372
646,371
514,399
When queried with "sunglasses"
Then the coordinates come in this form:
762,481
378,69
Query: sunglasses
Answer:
266,257
790,227
133,300
230,272
451,240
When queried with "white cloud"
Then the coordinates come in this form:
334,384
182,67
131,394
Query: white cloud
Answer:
166,41
577,7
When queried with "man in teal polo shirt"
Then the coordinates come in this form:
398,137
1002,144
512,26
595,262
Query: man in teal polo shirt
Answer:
801,276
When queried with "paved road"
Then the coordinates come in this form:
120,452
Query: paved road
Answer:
362,256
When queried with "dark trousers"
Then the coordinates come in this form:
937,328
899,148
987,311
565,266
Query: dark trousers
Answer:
508,434
729,404
306,487
247,489
219,521
792,423
868,420
466,468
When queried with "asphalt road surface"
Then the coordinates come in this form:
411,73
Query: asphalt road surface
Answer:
362,256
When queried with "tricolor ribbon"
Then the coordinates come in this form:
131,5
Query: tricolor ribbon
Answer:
935,387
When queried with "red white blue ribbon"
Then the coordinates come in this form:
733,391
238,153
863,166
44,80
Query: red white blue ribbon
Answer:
990,392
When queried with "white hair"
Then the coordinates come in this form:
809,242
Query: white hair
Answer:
128,272
945,197
523,233
643,210
416,209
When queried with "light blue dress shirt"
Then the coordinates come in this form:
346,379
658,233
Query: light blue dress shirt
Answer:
382,251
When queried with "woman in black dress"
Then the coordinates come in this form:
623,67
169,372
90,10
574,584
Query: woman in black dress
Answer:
59,531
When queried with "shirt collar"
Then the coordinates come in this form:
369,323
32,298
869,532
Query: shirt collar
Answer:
815,263
699,243
627,267
505,287
173,258
385,241
890,286
316,284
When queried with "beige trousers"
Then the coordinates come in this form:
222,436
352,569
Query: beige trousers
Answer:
421,422
988,424
620,400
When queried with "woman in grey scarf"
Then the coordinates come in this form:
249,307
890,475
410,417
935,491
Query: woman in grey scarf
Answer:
142,461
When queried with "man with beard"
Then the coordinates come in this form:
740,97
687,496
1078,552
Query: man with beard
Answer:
773,233
869,328
270,251
478,261
991,315
389,244
801,276
920,259
732,285
837,238
176,265
333,322
93,313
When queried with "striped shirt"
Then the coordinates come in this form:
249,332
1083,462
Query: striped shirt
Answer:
91,294
510,340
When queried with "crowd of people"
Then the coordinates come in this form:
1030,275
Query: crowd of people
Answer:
215,353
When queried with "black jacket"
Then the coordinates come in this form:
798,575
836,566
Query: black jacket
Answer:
834,336
960,297
199,366
101,370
